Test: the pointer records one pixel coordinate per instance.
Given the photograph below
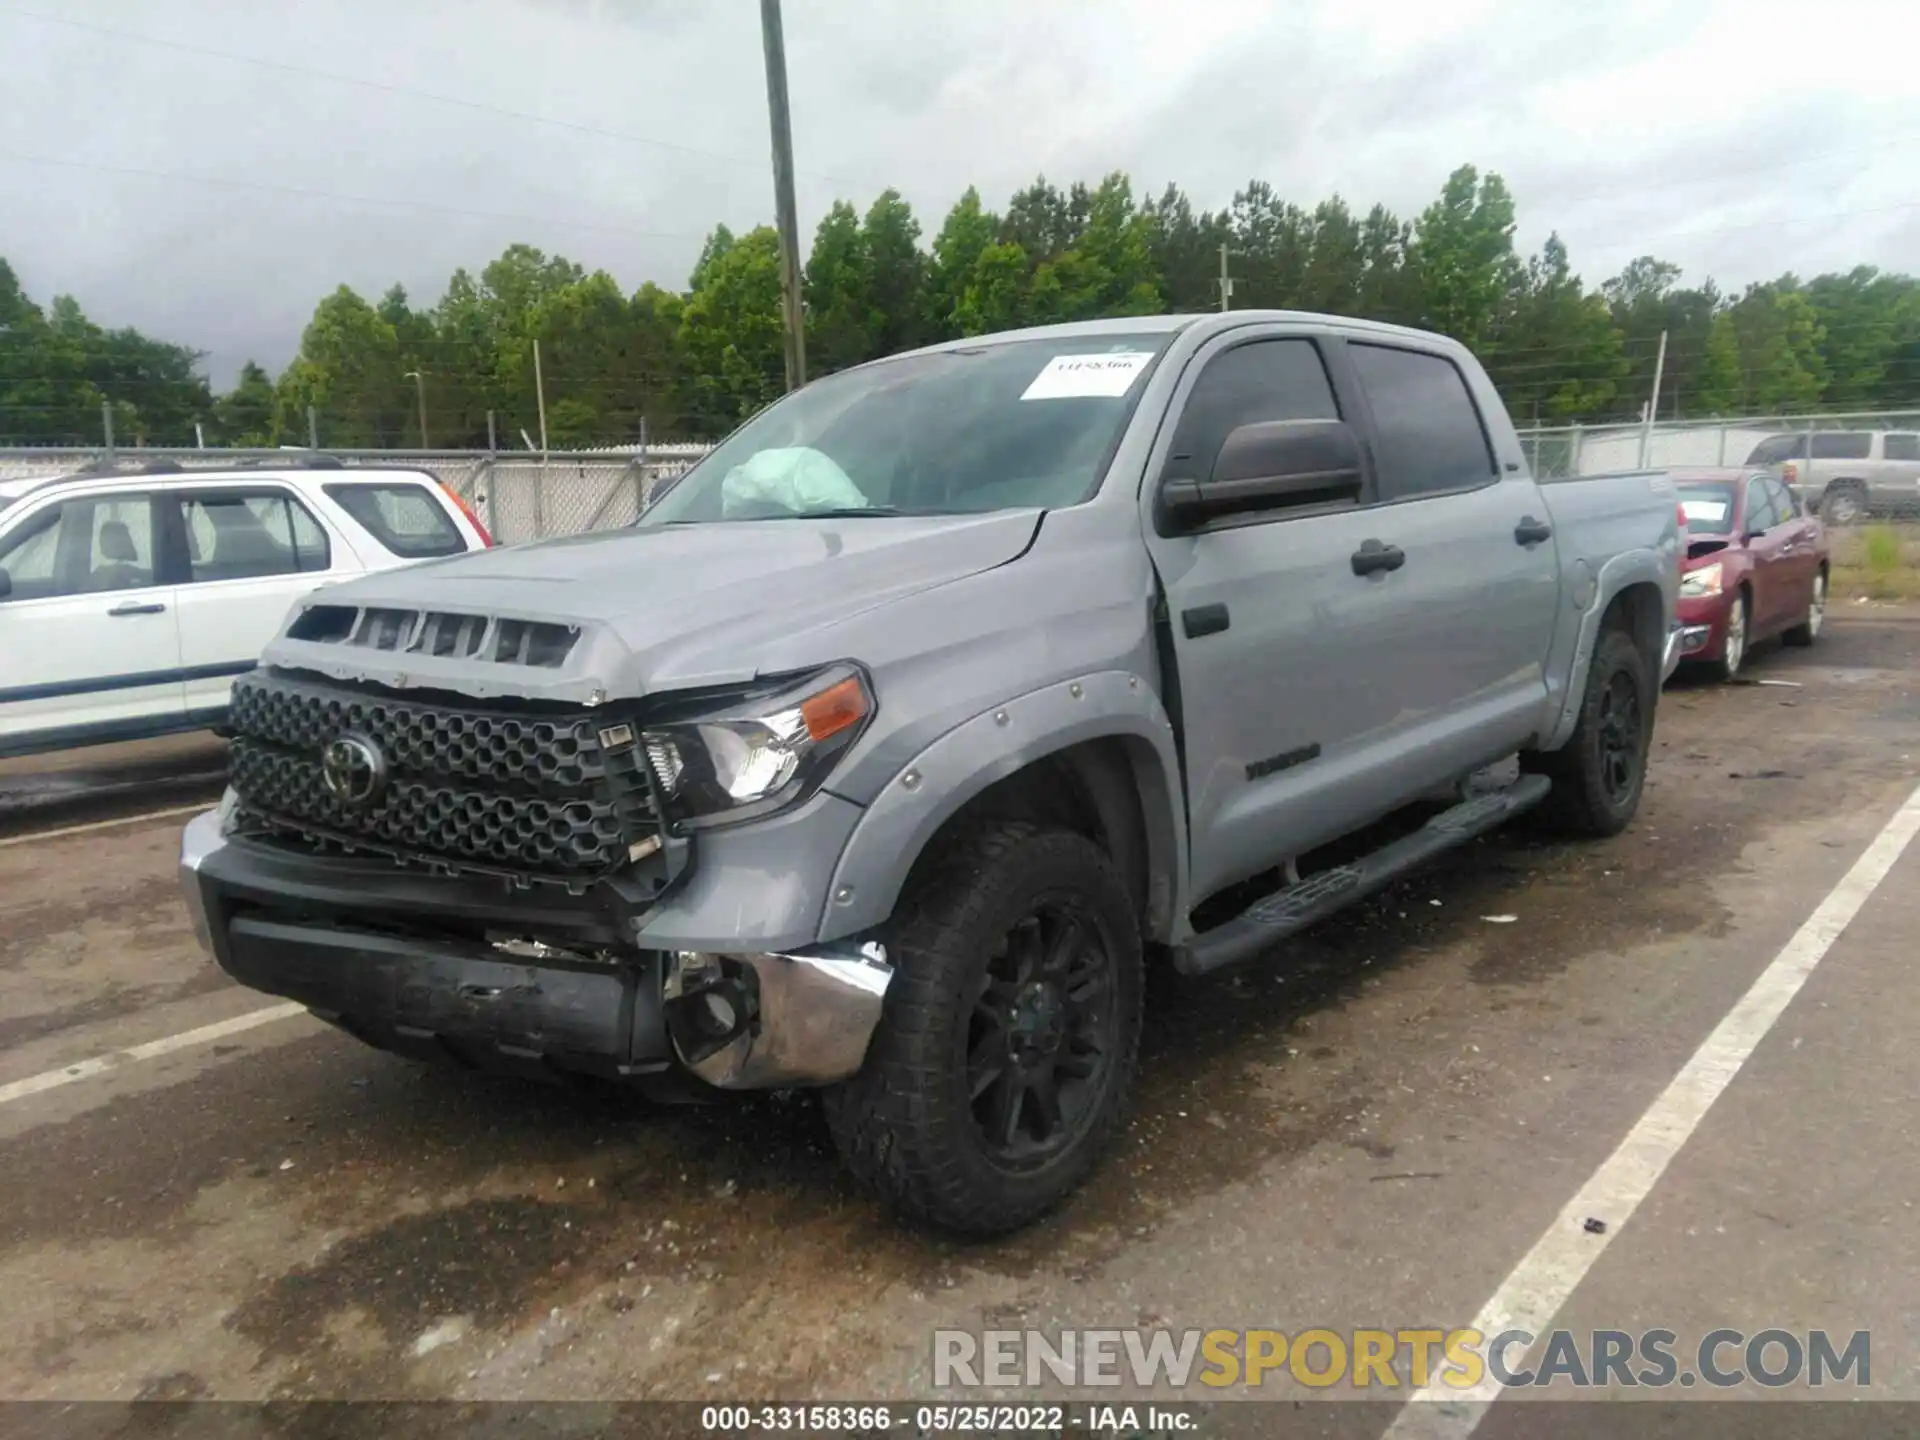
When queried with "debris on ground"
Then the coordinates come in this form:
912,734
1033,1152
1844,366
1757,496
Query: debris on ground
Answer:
1500,919
1595,1227
446,1332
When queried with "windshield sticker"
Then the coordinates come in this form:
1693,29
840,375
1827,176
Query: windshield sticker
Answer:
1071,376
1706,512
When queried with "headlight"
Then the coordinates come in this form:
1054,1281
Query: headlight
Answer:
1704,581
760,755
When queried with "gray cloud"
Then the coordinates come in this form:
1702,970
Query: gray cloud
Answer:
199,196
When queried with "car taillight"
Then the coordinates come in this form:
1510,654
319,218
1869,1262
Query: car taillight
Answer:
465,509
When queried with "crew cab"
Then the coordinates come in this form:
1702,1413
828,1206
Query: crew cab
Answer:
892,744
130,599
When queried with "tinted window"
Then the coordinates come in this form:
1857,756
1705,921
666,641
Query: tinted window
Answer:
80,547
245,536
1428,433
1775,448
405,518
1901,447
1841,444
1249,384
1760,514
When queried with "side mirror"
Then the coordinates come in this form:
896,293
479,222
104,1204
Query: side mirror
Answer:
1272,465
6,584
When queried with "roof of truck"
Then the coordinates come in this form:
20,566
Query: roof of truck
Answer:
1168,325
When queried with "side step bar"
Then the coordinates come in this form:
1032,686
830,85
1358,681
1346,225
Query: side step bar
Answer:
1286,912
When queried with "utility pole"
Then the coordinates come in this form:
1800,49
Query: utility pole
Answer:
1226,281
420,384
540,396
1653,404
789,225
313,428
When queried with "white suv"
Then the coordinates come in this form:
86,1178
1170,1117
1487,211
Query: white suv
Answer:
130,600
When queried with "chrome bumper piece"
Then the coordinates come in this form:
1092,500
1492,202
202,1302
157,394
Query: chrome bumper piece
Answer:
199,840
759,1021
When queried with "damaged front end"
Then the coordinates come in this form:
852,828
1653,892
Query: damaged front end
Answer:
445,876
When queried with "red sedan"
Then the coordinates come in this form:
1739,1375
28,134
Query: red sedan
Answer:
1756,567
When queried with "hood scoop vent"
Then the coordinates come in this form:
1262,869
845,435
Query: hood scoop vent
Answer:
446,634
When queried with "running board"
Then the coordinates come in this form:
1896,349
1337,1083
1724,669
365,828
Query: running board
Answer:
1286,912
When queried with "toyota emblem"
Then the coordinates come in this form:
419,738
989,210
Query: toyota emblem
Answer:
353,770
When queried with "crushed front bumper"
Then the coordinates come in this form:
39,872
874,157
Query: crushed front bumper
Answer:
434,966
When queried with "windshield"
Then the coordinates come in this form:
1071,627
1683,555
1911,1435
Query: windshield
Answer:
994,427
1708,508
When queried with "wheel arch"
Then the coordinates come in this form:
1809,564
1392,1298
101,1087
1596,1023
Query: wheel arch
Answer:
1094,755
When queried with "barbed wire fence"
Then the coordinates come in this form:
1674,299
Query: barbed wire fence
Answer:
518,497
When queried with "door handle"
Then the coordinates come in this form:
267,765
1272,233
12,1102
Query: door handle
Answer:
1531,531
1373,556
134,607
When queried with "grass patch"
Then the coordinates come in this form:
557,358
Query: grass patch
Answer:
1881,562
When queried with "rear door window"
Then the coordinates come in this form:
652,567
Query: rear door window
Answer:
247,535
1785,507
1760,514
1427,431
404,517
1901,447
1842,444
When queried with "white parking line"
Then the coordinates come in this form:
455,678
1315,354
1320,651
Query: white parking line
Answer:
1532,1295
102,825
151,1050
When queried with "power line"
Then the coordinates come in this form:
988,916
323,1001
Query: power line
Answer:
193,178
387,88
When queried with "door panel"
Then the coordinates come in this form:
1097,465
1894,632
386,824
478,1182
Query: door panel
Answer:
1771,578
249,555
88,638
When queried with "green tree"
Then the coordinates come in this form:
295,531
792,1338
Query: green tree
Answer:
731,331
843,321
896,274
244,415
350,371
1462,255
967,233
1719,387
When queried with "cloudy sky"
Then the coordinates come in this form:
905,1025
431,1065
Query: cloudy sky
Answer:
207,169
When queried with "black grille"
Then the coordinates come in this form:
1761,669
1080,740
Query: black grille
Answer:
466,787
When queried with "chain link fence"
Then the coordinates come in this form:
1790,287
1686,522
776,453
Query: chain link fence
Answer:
1600,449
518,497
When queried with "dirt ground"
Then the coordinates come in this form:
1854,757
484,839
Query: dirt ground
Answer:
1370,1128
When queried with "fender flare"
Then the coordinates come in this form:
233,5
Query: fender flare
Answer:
933,787
1633,567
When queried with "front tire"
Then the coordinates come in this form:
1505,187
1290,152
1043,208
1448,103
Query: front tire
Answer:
1808,630
1599,774
1000,1069
1733,647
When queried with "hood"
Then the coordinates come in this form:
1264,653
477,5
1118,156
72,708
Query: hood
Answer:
688,604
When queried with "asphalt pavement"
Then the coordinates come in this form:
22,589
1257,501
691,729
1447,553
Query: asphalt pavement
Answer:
1376,1129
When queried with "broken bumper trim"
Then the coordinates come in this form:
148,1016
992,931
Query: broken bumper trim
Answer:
761,1020
295,929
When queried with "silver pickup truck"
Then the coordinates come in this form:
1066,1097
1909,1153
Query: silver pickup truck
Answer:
892,744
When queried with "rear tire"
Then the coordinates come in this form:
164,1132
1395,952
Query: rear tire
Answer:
1599,774
1845,503
1808,630
1000,1069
